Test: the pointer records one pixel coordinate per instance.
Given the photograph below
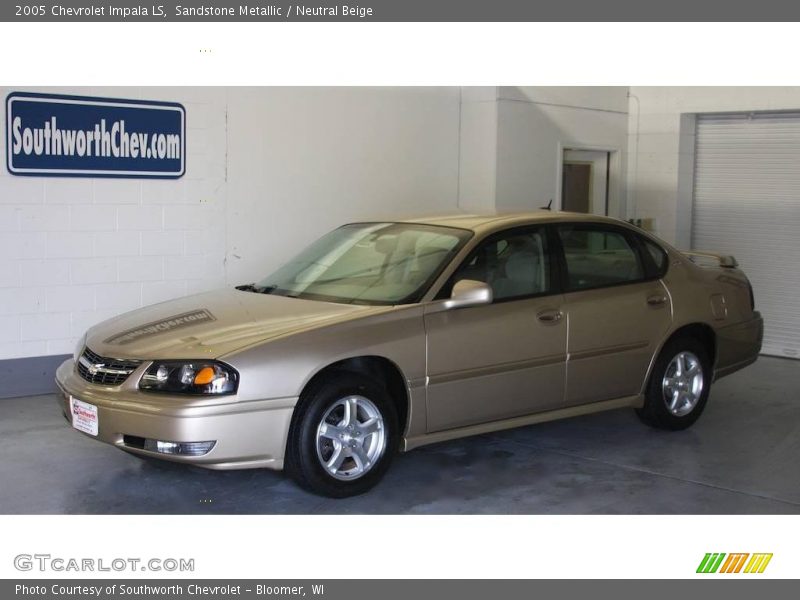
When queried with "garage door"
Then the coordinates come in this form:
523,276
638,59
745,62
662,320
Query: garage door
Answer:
747,203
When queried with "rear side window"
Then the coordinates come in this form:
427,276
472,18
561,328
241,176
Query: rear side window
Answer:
597,257
657,254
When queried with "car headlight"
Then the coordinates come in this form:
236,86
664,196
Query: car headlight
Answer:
183,377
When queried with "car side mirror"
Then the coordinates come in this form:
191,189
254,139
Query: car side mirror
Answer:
469,292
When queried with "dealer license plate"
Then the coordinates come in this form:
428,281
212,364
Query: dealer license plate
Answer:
84,416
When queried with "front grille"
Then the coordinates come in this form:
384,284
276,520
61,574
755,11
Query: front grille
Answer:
105,371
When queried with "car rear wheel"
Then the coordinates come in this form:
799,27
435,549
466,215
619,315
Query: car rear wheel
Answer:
678,388
343,435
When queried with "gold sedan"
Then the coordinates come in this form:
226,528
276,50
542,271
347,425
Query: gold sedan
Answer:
387,336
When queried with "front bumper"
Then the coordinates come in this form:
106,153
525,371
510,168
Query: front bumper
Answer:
247,434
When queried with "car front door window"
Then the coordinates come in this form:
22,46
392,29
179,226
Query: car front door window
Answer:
514,264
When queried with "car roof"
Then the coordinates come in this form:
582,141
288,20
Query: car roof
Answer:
491,221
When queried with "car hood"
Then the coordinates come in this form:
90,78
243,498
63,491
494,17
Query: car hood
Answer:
213,324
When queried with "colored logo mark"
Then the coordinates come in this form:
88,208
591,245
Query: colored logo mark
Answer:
738,562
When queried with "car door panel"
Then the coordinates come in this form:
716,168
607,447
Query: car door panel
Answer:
617,311
505,359
494,362
613,334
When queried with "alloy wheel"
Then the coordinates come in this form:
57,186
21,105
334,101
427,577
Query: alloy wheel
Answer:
683,383
351,438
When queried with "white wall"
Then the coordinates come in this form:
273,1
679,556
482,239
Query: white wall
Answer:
536,124
661,145
303,161
267,170
478,149
512,141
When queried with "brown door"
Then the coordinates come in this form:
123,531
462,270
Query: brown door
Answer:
576,187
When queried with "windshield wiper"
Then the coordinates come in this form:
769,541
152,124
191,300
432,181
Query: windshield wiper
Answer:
258,289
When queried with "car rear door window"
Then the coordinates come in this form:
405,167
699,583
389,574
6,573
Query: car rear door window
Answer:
597,257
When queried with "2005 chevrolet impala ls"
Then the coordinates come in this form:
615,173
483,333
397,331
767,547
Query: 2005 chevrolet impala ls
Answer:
382,337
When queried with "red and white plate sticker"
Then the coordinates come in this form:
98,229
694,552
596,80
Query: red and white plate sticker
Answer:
84,416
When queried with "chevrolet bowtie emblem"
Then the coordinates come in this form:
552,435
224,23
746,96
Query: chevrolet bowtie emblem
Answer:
94,368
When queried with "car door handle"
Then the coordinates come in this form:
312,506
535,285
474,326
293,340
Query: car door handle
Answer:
550,316
656,299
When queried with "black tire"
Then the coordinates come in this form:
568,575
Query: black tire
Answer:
304,464
655,411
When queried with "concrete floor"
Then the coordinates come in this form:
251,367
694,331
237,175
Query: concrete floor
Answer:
741,457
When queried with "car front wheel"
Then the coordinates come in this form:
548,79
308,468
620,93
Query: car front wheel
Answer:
343,435
679,385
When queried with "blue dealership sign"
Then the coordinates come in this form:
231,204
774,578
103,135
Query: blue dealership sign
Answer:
77,136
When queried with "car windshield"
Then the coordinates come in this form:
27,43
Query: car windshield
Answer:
368,263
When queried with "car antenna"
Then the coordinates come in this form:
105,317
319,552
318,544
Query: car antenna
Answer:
549,204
